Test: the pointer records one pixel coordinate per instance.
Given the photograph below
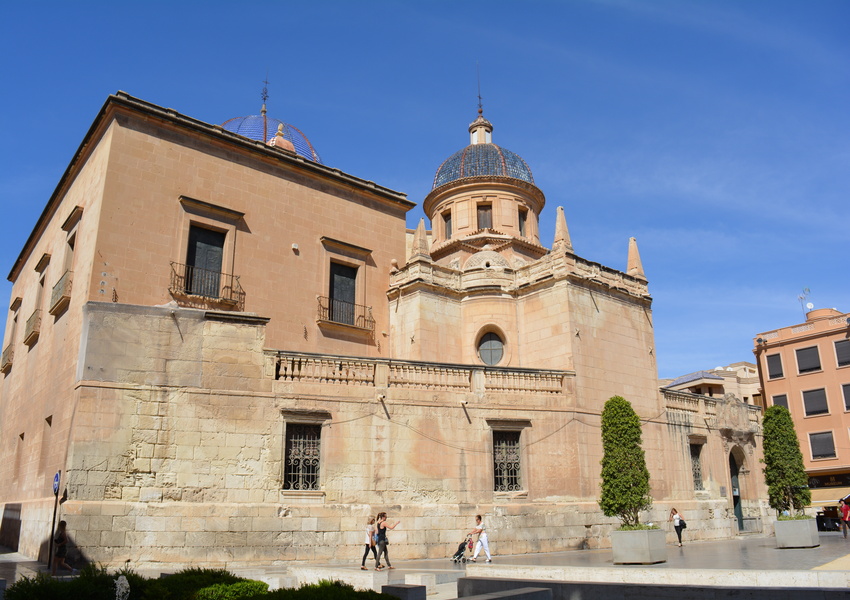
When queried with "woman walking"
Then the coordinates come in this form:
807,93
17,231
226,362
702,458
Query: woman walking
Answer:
382,540
61,552
678,523
370,543
479,530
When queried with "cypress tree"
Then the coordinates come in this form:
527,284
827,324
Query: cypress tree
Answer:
787,482
625,478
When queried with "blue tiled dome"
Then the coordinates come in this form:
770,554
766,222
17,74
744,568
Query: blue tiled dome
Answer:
482,160
262,128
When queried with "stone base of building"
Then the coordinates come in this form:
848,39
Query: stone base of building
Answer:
171,535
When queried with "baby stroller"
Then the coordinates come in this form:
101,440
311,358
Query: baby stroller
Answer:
460,555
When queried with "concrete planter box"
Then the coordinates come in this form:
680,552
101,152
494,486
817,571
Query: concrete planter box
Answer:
642,547
797,534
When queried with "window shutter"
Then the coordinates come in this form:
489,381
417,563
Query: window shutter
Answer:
808,360
846,389
774,366
815,402
842,352
822,445
781,400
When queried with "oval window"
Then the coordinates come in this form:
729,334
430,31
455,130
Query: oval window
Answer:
491,349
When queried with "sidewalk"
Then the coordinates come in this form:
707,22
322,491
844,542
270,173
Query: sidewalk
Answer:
755,559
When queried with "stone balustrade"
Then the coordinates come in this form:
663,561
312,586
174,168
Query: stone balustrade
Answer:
416,375
706,406
457,277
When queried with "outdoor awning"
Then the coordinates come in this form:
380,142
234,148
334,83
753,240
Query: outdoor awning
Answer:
828,496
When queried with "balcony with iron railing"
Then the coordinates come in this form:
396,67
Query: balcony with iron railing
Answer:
33,327
194,285
8,357
339,312
60,297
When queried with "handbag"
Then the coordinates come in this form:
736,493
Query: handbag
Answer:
682,524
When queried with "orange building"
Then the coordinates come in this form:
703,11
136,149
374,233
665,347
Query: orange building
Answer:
806,368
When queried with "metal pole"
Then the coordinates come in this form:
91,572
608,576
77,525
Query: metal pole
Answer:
53,525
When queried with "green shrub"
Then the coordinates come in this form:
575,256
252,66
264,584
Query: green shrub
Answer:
625,478
233,591
784,473
40,587
324,590
184,584
638,527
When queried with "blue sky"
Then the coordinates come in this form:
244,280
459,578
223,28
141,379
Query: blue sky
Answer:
716,133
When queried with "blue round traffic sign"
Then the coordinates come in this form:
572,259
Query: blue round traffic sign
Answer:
56,484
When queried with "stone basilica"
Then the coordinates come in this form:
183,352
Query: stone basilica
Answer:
234,354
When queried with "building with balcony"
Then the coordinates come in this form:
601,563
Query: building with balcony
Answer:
806,368
739,379
242,352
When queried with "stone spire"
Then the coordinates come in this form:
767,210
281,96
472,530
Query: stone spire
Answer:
562,234
634,267
420,249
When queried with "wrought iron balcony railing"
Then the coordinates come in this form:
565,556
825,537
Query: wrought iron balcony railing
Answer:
347,313
8,357
33,327
188,280
60,297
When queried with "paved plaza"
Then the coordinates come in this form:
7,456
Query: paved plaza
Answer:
743,561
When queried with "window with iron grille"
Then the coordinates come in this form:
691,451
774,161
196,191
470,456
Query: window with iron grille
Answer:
302,456
696,466
507,471
774,366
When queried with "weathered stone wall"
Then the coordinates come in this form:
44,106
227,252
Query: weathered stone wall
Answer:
177,448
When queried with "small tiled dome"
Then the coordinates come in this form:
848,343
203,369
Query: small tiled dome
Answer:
482,160
261,128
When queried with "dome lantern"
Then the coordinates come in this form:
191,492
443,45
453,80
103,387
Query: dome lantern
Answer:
480,130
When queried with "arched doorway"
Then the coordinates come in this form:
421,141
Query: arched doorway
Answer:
736,463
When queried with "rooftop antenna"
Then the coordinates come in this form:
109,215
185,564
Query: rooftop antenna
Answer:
806,306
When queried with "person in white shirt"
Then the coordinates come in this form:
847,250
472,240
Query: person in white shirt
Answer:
482,539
